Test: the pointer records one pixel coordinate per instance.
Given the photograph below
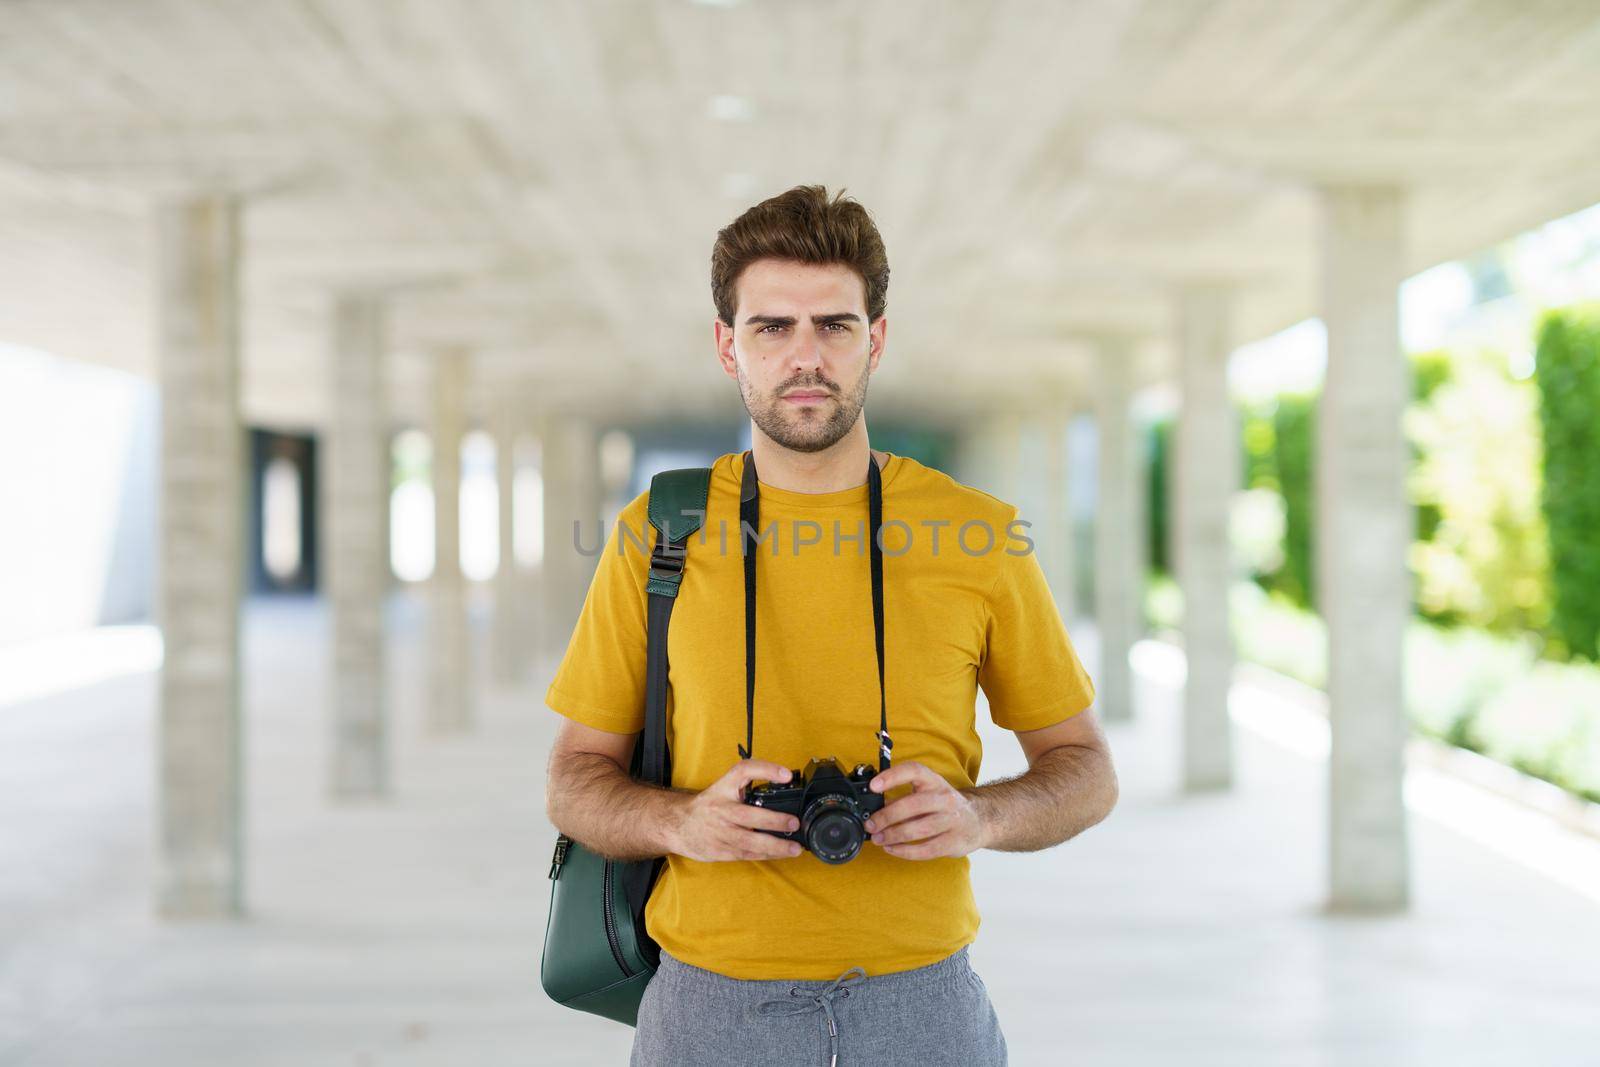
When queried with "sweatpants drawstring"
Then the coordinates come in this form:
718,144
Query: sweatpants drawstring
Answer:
822,1000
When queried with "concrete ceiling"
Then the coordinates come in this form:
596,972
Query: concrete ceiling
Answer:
541,182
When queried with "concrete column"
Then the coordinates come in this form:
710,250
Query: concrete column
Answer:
531,585
355,510
987,455
200,859
1364,528
508,653
1004,447
1033,449
554,566
1205,465
1059,560
387,433
571,469
1118,531
450,706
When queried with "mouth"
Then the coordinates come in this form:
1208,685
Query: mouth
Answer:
806,396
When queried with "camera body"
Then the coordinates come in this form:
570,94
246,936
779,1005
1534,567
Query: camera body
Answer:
831,805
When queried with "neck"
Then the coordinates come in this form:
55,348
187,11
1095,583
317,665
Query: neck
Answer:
842,465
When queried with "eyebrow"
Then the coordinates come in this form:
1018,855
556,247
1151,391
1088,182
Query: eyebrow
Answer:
790,320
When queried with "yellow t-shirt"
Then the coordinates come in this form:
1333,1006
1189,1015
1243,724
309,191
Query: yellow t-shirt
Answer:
963,607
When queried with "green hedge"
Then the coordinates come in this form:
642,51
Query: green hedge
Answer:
1429,370
1294,426
1159,445
1278,438
1567,362
1480,557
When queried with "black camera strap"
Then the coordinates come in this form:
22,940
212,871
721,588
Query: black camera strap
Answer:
749,534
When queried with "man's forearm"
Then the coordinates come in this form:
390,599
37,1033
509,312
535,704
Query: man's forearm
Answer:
592,800
1066,791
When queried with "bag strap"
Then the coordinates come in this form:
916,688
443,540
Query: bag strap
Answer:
677,508
750,538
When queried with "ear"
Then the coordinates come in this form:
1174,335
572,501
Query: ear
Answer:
877,337
722,334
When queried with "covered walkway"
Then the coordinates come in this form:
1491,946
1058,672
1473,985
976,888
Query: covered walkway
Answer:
349,243
1187,929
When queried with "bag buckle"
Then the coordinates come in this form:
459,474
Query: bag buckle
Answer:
666,561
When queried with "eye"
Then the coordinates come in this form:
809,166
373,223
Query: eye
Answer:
838,327
769,326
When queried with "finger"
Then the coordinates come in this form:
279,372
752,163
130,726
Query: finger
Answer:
933,848
909,807
754,818
927,826
913,773
753,770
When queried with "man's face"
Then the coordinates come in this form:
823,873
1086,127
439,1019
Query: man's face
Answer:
799,349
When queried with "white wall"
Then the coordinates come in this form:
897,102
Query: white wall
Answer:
77,494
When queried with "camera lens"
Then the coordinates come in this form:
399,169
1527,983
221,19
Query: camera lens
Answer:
832,831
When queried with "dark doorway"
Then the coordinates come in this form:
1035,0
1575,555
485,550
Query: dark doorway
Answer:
282,513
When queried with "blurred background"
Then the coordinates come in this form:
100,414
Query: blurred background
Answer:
323,321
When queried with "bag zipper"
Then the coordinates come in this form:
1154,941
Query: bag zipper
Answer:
611,925
562,841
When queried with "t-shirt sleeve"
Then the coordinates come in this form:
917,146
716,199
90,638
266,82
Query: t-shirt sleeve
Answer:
1030,672
600,682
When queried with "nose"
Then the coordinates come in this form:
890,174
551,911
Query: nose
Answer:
806,353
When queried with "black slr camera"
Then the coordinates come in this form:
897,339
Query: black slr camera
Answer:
832,807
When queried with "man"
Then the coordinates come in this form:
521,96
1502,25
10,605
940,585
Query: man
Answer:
769,955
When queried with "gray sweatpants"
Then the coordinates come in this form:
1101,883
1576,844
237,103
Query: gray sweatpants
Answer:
938,1014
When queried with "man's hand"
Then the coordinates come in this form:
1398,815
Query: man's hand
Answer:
940,819
718,825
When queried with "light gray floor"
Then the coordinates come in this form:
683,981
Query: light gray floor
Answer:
1184,930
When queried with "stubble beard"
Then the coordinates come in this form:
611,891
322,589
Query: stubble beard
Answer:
805,429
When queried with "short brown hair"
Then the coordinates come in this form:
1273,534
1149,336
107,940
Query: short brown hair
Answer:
803,226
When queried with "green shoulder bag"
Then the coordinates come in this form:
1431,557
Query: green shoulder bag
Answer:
597,955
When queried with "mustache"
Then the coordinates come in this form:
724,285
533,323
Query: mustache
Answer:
791,386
